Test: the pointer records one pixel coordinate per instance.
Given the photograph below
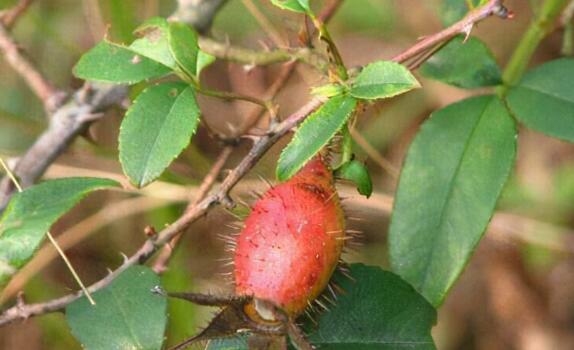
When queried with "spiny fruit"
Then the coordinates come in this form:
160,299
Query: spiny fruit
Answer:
291,242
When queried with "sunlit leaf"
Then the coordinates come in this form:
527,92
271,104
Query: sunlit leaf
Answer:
301,6
109,62
383,79
31,213
314,134
156,128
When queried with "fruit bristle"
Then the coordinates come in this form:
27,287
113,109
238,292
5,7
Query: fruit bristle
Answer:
292,240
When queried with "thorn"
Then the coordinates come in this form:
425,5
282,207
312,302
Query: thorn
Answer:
467,30
150,231
158,290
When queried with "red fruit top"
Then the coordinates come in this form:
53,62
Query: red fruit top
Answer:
291,242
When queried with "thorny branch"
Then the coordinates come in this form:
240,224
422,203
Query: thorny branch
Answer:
9,17
221,196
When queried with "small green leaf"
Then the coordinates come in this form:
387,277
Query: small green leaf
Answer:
153,42
467,64
452,11
301,6
383,79
378,310
450,182
328,90
358,173
204,60
31,213
314,134
544,99
156,128
127,315
183,45
109,62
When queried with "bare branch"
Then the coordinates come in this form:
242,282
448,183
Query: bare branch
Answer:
199,14
464,26
24,66
9,17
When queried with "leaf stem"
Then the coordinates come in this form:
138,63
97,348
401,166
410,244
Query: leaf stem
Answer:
538,29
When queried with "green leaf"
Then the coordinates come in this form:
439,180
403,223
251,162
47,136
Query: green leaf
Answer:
328,90
452,11
153,42
238,342
156,128
378,310
383,79
544,99
452,177
183,45
301,6
31,213
467,64
109,62
204,60
126,315
358,173
314,134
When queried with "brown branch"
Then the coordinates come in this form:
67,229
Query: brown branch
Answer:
9,17
464,26
73,118
160,264
22,312
41,87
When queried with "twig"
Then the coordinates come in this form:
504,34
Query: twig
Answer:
199,14
160,264
9,17
464,26
45,91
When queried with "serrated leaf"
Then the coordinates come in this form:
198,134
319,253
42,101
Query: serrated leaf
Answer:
328,90
314,134
156,129
109,62
126,315
204,60
452,177
301,6
452,11
31,213
183,45
153,41
466,65
383,79
544,99
378,310
357,173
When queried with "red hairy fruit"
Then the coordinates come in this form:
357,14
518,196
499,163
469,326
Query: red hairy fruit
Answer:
292,241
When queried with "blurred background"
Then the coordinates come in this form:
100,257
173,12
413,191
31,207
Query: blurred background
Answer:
518,290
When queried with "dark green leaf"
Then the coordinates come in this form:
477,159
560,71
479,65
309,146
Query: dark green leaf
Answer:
383,79
153,42
126,315
453,175
314,134
452,11
233,343
156,128
183,46
30,214
467,64
358,173
544,99
115,63
377,311
301,6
